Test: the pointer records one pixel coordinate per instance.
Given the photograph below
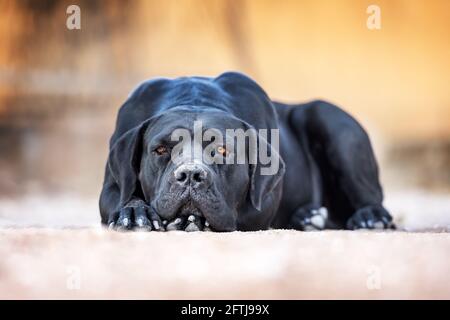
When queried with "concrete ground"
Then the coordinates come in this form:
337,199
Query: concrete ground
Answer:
53,248
96,263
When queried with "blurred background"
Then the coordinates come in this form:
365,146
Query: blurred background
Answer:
60,89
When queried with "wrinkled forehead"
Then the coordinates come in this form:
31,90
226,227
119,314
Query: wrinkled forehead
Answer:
220,121
192,121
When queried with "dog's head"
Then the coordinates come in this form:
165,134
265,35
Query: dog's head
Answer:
187,162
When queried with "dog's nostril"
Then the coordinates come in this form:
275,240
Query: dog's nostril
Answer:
182,176
197,177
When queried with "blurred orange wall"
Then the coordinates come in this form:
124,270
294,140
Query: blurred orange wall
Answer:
397,77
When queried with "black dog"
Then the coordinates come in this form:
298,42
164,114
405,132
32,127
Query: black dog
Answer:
327,175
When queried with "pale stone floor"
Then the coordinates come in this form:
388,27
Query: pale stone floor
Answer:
52,247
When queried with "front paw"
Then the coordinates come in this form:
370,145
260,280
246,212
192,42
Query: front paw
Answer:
309,218
371,217
136,215
189,223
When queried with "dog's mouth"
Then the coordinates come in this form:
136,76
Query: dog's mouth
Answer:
188,218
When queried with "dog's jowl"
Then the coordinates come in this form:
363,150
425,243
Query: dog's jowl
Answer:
216,154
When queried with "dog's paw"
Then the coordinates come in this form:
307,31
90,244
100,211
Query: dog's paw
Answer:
370,217
188,223
136,215
309,219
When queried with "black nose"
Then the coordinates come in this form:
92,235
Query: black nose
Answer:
194,175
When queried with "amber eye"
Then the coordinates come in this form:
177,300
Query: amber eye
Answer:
222,151
161,150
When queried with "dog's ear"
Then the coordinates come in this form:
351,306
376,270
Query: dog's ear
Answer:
124,161
263,178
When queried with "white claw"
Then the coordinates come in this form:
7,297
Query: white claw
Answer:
309,228
125,221
378,225
318,221
156,224
192,227
111,226
323,212
173,225
164,222
206,224
140,222
191,218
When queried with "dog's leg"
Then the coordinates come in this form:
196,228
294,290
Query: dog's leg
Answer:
313,216
347,164
136,214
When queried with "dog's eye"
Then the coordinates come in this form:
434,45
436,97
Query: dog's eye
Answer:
222,150
161,150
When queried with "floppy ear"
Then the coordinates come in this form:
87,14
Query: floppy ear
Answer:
262,184
124,161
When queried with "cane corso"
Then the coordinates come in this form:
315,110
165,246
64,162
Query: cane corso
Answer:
325,175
